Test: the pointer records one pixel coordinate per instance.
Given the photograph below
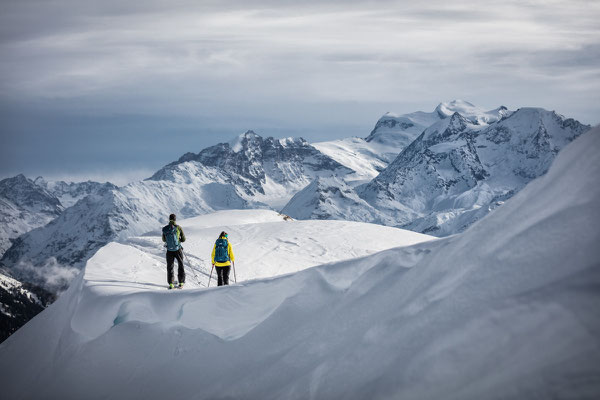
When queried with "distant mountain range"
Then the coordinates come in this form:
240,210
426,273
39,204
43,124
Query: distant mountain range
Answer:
456,171
434,172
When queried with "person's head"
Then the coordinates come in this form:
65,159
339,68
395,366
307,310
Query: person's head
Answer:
172,217
223,234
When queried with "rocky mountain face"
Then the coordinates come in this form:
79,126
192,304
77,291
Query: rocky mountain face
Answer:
332,198
52,255
70,193
454,173
262,169
393,132
458,169
24,206
19,303
245,173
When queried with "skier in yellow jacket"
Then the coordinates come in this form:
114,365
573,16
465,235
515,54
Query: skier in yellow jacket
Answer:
222,258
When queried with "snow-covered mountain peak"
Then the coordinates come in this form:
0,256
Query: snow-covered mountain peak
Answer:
447,128
457,171
24,192
24,206
263,171
476,115
267,169
394,132
70,193
242,141
293,141
504,310
446,109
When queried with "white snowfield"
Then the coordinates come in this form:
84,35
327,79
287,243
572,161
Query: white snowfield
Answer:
507,309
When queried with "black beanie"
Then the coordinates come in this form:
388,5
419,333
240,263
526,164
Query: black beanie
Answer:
172,217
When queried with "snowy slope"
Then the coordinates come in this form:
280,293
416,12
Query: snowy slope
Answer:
394,132
70,193
362,157
332,198
246,173
458,170
455,172
24,206
505,310
267,244
52,255
261,169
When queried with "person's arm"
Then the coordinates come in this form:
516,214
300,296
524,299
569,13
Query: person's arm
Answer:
164,238
213,254
230,251
181,234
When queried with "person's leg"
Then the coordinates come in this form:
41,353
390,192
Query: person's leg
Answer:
180,270
170,261
226,274
219,276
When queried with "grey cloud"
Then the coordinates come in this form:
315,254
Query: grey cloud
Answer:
208,70
585,58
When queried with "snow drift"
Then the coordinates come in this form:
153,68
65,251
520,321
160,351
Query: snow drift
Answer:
507,309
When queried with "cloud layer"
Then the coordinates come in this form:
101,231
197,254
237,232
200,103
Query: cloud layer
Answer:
311,69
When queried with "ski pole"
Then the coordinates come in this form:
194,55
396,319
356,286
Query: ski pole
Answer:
234,277
211,270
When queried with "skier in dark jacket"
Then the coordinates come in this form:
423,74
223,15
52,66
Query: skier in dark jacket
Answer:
173,236
222,257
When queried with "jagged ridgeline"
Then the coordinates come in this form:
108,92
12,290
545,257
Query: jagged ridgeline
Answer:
505,310
435,172
455,172
249,172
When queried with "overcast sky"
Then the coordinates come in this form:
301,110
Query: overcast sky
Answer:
116,89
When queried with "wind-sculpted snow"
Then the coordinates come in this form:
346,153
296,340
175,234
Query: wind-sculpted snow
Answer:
505,310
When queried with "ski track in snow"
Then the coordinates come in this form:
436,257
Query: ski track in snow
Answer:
268,249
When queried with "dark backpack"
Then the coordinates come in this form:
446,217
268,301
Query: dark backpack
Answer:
172,236
221,253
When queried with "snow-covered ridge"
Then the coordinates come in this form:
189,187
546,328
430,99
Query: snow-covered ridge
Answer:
266,244
455,172
70,193
395,132
53,254
260,171
268,170
504,310
457,180
364,158
24,206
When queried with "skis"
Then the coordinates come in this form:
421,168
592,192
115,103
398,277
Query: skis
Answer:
175,286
